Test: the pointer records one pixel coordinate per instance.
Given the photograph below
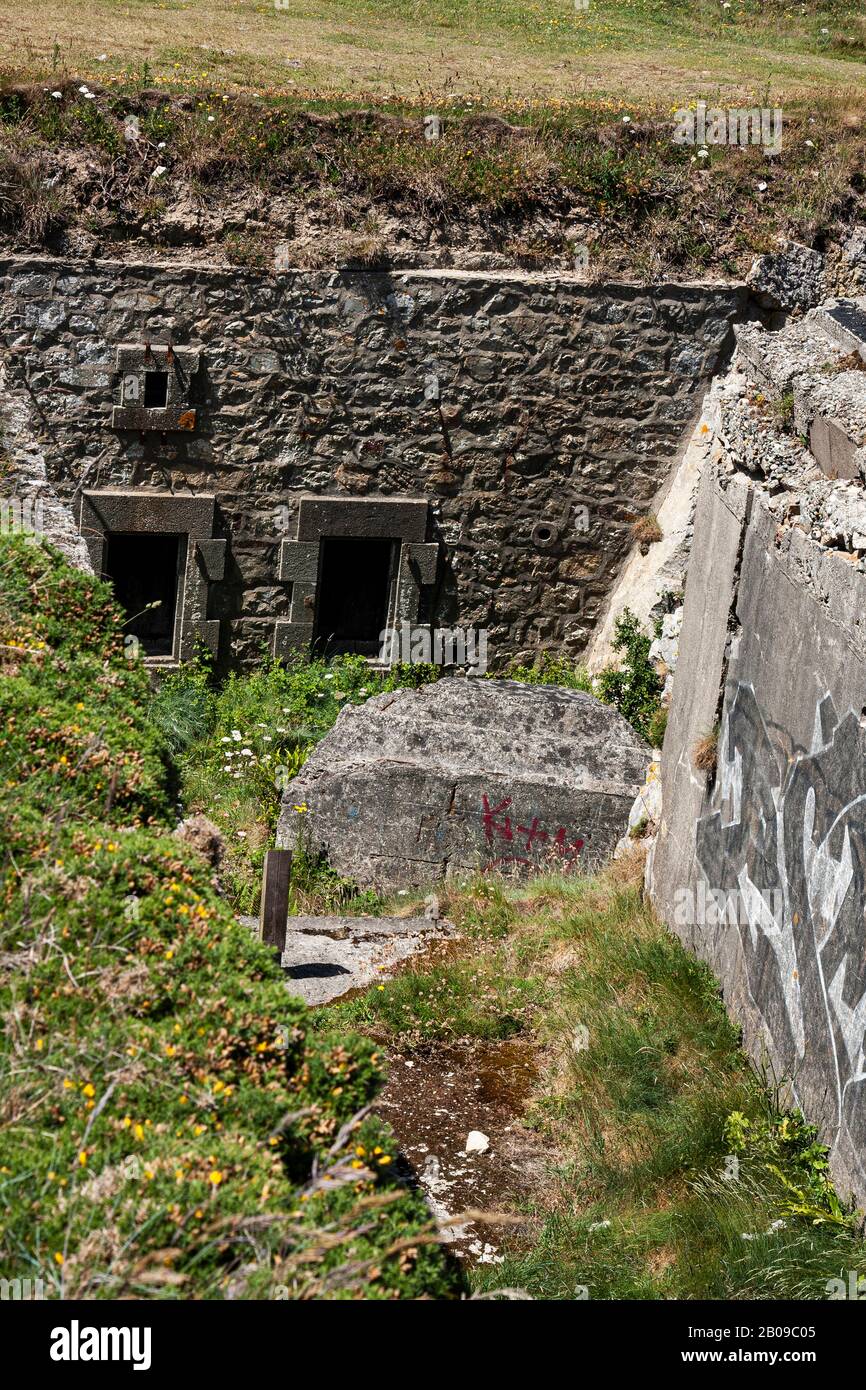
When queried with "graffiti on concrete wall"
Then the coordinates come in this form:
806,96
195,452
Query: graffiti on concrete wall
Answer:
789,827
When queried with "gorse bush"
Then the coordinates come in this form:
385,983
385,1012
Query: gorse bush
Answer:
163,1097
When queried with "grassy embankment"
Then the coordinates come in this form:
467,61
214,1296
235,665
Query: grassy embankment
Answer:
172,1125
336,145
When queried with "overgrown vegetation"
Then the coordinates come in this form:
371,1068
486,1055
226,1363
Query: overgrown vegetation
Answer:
171,1125
674,1170
237,746
633,686
238,173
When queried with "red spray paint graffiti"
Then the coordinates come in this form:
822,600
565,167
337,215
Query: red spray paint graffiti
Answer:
501,833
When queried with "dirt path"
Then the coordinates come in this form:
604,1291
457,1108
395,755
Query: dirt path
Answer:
434,1098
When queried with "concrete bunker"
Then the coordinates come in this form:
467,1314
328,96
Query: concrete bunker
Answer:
295,408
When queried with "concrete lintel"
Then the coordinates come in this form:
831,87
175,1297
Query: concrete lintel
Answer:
403,518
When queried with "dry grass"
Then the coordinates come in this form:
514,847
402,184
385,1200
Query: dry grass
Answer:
705,754
544,52
646,530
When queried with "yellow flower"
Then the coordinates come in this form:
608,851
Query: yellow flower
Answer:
82,1157
216,1177
138,1131
58,1258
88,1089
301,809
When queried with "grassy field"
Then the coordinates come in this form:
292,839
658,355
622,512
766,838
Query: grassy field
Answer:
498,51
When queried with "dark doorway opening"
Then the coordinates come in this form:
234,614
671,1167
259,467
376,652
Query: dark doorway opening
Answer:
144,571
155,390
354,590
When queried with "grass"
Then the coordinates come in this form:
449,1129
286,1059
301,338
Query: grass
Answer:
541,52
674,1170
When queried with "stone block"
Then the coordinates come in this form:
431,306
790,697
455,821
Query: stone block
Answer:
465,774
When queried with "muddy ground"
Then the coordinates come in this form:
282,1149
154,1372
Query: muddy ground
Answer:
435,1097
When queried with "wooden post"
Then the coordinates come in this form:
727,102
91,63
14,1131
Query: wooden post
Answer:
274,910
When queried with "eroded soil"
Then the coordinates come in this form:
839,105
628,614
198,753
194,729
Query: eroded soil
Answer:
435,1096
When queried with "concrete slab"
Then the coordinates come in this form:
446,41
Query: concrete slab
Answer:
461,775
326,957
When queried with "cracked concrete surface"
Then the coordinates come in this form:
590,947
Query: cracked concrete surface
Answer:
326,957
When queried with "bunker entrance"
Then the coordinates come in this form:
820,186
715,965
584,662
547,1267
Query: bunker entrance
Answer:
355,579
144,571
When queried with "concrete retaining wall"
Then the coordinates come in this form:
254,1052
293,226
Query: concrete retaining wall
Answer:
761,866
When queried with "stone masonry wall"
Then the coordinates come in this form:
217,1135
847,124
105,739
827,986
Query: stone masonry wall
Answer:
510,401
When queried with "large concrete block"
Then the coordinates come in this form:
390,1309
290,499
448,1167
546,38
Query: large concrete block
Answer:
463,774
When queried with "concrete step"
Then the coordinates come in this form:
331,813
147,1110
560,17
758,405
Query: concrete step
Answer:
326,957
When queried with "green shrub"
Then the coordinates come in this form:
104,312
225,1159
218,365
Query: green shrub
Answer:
182,707
163,1098
634,688
550,670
